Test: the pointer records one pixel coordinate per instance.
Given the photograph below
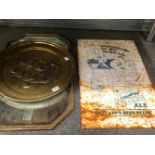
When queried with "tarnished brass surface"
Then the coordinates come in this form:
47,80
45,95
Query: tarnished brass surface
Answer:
34,70
12,119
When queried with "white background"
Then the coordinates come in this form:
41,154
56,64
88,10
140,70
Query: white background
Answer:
98,9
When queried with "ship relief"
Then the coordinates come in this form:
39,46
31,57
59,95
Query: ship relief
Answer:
33,70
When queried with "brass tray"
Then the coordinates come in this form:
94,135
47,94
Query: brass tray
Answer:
13,119
35,68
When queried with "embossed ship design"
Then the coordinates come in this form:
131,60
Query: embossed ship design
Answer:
33,69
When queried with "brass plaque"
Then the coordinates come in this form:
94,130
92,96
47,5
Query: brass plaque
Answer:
35,82
34,70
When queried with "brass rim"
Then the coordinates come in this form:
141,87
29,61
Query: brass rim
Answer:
42,126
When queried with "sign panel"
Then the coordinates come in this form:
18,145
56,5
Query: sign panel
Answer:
115,89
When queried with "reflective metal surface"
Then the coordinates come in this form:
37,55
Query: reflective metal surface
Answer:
34,70
13,119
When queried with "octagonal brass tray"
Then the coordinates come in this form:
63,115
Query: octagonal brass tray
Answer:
34,69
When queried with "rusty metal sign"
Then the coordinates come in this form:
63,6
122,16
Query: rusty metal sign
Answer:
115,89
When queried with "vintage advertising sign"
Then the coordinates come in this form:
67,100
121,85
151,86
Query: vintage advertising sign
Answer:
115,89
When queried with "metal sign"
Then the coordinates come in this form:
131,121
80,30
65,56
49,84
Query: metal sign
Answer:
115,89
